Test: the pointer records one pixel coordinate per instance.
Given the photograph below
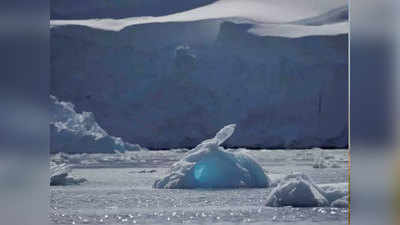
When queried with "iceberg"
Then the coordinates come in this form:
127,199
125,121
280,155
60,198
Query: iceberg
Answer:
79,132
59,175
210,166
297,190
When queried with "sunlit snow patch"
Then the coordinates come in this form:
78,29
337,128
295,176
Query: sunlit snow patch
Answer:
211,166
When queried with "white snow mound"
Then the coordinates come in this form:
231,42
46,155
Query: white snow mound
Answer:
297,190
210,166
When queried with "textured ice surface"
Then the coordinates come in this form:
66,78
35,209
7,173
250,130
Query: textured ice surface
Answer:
296,190
125,196
211,166
79,132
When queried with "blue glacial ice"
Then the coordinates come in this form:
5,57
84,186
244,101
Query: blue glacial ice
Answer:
210,166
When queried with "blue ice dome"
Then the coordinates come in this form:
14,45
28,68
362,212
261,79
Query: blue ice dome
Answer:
211,166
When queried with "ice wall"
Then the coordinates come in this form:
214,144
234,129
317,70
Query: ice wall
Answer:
170,85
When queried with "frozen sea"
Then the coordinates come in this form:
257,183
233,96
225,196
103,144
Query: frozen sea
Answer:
119,191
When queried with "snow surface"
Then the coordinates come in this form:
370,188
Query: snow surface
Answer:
79,132
211,166
256,11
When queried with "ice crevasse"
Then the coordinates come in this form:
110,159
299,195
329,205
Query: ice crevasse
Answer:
209,165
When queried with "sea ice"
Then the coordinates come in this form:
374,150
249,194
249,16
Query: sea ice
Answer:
297,190
210,166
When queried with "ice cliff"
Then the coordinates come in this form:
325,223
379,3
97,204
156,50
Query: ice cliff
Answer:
79,132
211,166
171,82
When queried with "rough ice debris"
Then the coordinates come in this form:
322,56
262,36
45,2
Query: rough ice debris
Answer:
333,192
341,203
211,166
79,132
59,175
322,161
297,190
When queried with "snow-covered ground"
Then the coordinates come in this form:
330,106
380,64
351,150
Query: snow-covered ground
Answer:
115,195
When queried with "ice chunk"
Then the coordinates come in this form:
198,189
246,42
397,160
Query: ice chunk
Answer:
341,203
211,166
297,190
79,132
59,175
333,192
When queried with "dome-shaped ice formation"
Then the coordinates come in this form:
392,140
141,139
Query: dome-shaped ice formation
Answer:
210,166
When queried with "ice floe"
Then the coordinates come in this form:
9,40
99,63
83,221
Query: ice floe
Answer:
210,166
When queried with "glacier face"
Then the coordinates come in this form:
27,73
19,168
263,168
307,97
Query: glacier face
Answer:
171,85
79,132
211,166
